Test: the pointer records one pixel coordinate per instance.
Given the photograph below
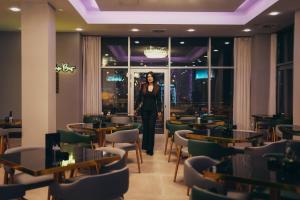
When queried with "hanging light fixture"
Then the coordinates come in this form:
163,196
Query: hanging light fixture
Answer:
156,52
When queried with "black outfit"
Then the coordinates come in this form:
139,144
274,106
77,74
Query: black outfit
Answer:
151,105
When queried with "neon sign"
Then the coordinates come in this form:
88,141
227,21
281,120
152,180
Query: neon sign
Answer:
64,67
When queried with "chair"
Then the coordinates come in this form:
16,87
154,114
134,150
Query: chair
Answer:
108,186
116,165
69,126
210,149
181,146
3,140
198,193
171,131
71,137
129,140
275,147
29,182
279,132
121,120
12,191
193,177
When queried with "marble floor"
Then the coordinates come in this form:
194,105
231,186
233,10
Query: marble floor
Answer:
155,182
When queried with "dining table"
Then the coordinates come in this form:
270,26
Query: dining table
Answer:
276,173
41,161
100,131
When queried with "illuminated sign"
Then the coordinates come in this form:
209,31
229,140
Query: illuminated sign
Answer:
114,78
64,67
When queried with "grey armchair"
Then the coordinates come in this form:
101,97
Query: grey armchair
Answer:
116,165
181,145
29,182
121,119
193,168
12,191
274,147
108,186
127,140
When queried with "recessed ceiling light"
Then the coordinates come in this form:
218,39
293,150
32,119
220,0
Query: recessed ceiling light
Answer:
190,30
247,30
205,56
106,54
60,9
15,9
216,50
226,43
274,13
136,42
135,30
182,42
78,29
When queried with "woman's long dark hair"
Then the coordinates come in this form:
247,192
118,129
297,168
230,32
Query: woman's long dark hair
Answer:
155,85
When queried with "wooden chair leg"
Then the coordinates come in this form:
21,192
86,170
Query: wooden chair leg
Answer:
177,162
49,194
137,157
170,151
188,191
166,143
5,178
140,150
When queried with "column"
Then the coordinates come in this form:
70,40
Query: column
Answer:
38,50
296,68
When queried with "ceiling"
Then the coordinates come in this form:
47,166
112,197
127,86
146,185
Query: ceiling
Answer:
67,18
167,5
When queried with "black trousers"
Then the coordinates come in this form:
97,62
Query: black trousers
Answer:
149,120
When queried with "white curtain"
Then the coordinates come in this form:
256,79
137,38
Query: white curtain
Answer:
91,75
242,78
272,90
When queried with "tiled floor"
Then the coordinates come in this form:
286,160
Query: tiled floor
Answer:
155,182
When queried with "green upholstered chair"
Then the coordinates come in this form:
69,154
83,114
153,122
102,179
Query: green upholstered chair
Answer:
70,137
171,127
207,148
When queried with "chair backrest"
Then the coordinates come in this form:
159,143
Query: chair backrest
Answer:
176,127
198,193
279,132
121,119
179,138
71,137
206,148
123,136
275,147
106,186
69,126
3,132
19,149
116,165
193,168
12,191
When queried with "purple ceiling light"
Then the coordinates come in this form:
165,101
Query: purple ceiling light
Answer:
248,10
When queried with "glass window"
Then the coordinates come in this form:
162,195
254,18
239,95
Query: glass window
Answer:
222,52
114,90
189,91
189,51
149,52
114,51
222,92
285,91
285,43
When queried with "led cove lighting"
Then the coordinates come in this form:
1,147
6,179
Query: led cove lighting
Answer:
15,9
274,13
190,30
135,30
247,30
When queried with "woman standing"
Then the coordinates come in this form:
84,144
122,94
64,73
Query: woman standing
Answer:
150,103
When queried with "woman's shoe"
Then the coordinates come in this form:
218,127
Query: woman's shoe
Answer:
150,153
